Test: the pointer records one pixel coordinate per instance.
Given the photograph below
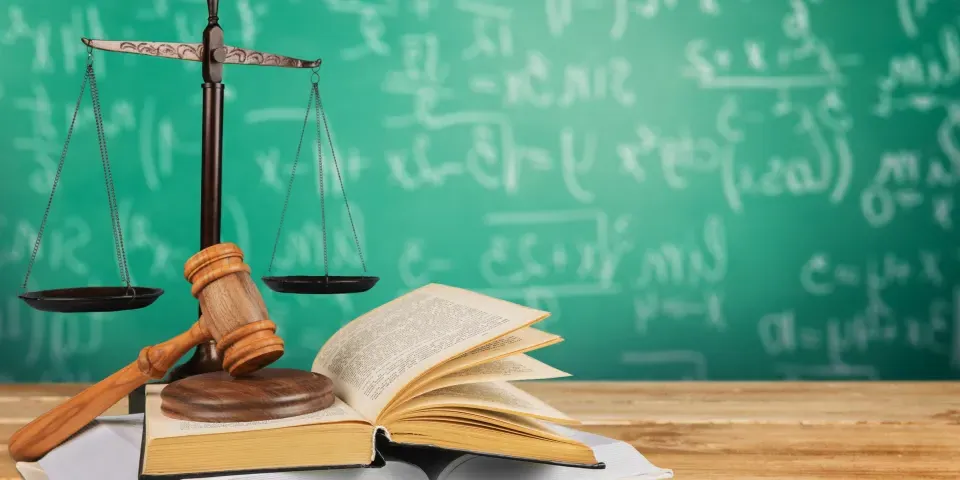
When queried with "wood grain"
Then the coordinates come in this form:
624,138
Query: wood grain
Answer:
231,302
722,430
270,393
56,425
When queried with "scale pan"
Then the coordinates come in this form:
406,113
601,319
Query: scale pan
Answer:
91,299
320,284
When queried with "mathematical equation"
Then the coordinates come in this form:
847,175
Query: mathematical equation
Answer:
636,156
543,257
907,179
879,284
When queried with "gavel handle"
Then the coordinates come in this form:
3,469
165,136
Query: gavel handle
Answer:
51,429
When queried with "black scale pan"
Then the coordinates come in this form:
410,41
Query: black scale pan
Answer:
91,299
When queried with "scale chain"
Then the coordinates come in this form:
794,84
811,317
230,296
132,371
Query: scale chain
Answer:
108,179
293,173
56,181
321,116
336,165
323,210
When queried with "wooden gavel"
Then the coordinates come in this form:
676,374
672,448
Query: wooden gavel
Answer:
234,316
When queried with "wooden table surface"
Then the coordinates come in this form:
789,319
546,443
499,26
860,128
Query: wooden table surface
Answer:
717,430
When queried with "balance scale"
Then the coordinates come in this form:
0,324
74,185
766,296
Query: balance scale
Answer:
213,53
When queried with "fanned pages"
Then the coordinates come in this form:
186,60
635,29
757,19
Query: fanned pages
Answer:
511,369
523,340
373,357
491,396
431,368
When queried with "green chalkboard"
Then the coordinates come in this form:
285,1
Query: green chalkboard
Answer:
697,189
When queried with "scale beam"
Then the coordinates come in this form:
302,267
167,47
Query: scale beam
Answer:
194,52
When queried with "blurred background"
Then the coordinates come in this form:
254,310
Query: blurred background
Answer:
695,189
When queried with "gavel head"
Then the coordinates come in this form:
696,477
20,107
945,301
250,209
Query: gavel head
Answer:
233,309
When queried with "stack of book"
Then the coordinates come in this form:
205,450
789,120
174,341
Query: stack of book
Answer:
110,448
423,392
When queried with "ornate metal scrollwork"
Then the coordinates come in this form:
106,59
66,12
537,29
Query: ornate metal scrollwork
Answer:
194,52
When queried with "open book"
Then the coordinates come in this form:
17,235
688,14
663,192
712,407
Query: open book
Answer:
429,369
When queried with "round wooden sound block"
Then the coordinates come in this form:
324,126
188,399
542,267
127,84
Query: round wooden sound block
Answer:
267,394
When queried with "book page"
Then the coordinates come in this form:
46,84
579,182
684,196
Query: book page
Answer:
108,448
510,369
623,462
395,469
162,426
515,423
523,340
373,357
494,396
520,341
31,471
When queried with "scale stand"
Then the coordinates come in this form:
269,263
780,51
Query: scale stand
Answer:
213,53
